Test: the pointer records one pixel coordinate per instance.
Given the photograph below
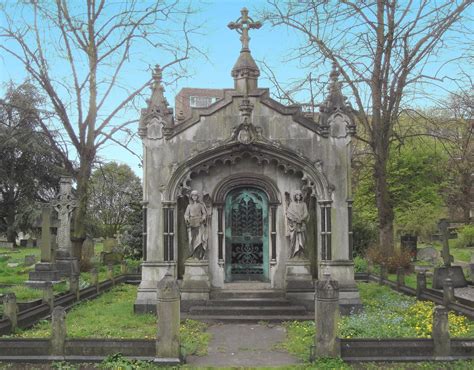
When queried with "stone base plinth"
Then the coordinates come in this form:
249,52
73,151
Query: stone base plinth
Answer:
298,276
455,273
152,273
44,272
67,266
196,284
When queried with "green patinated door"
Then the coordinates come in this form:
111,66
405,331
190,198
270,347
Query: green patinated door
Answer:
246,235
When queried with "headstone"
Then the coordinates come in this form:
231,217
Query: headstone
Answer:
95,279
168,312
64,205
31,243
30,260
110,273
23,243
74,286
6,245
409,243
400,277
455,273
88,249
109,244
111,258
10,309
326,318
45,270
440,333
428,254
58,331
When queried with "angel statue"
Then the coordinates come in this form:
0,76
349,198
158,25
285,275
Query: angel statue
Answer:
196,217
297,216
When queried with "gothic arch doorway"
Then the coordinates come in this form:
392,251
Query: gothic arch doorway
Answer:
246,235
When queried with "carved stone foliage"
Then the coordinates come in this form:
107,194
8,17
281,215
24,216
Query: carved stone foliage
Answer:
64,204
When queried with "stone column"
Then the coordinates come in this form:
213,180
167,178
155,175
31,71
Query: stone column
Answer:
440,333
110,273
168,312
48,295
400,277
74,286
58,331
326,318
448,292
95,279
10,310
420,284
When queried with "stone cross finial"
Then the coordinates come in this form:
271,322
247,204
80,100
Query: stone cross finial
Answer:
64,204
242,26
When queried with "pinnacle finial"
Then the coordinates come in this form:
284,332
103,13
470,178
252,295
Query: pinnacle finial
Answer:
157,74
334,75
242,26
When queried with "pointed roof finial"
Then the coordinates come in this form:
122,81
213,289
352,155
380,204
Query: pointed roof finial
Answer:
242,26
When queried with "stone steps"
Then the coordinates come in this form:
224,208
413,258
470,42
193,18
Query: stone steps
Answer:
248,303
247,318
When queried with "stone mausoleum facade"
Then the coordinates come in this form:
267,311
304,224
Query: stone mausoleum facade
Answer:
239,188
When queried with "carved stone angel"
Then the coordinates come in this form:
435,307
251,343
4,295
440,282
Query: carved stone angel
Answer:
196,217
297,216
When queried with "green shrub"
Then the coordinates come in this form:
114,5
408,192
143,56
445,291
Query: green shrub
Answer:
465,237
360,264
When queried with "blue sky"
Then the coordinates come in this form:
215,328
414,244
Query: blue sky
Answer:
221,47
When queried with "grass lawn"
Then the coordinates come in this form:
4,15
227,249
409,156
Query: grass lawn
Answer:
111,316
19,274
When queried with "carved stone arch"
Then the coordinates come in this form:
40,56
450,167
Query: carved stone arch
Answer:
261,182
287,160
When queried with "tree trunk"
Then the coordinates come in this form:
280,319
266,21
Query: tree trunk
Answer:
466,185
384,205
83,178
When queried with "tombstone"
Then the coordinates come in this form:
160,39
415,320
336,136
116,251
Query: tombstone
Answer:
45,270
110,244
23,243
64,205
31,243
111,258
428,254
87,249
5,244
29,260
455,273
409,243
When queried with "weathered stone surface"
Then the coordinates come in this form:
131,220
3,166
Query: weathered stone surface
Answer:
420,283
10,309
58,331
448,292
6,245
455,273
48,294
196,284
87,249
326,318
440,332
64,204
168,311
428,254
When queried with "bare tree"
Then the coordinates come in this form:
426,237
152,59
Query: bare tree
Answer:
85,56
382,49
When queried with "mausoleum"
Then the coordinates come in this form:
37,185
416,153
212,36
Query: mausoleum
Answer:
240,189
